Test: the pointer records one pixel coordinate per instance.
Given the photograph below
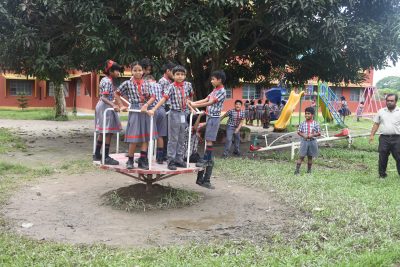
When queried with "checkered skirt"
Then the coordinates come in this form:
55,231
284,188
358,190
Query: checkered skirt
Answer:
113,123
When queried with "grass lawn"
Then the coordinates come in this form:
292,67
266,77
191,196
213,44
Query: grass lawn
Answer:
42,114
351,218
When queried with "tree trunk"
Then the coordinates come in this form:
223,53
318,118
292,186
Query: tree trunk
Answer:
201,79
61,109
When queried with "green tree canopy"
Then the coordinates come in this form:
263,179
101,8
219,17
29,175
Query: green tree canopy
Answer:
390,82
47,38
251,40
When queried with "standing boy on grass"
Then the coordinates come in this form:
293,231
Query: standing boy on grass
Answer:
308,130
213,102
235,122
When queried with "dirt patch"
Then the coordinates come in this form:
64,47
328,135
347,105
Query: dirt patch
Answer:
69,209
136,197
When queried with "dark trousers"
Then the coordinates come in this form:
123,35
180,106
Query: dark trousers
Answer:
388,144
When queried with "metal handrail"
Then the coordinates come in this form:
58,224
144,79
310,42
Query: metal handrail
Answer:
151,142
279,137
190,136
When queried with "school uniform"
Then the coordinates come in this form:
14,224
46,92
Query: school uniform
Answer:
194,143
138,127
252,112
178,94
274,112
164,82
246,110
259,111
160,116
113,123
360,111
235,117
266,116
218,96
309,147
344,110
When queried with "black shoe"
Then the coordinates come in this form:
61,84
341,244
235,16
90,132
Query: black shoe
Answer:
110,161
237,155
224,156
129,164
180,164
296,172
309,171
171,165
200,178
96,157
207,185
160,161
383,176
203,163
143,163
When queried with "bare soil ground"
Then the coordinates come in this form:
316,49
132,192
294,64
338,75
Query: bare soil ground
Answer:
70,208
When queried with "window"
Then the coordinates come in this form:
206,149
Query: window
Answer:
18,87
250,91
78,87
50,89
337,91
228,92
355,95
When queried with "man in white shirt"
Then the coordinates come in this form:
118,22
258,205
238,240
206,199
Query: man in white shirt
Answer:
388,121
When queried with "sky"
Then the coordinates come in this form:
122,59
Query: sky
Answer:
389,71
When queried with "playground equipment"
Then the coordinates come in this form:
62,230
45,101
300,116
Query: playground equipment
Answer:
372,102
330,104
275,94
156,172
327,101
344,134
286,114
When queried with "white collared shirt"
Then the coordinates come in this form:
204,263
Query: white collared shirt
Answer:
389,121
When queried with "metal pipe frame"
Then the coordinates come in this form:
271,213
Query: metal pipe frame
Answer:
295,145
151,142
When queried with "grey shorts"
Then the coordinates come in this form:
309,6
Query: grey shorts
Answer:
308,148
212,128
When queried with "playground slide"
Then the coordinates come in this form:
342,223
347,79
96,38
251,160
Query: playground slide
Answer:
325,111
287,111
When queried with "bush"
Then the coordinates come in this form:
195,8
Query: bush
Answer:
22,101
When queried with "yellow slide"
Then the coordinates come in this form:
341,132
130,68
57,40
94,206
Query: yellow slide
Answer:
325,111
287,111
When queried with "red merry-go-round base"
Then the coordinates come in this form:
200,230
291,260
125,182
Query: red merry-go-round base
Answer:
155,168
157,173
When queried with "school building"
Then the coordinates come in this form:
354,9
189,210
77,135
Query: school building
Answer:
81,91
352,92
